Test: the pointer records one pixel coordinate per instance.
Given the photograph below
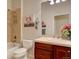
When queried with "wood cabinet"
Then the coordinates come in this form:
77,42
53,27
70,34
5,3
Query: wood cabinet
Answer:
63,52
43,51
47,51
43,55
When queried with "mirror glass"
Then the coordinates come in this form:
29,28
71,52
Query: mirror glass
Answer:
54,17
59,22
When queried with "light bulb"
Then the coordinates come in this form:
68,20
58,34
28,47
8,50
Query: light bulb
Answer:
49,0
57,1
63,0
51,3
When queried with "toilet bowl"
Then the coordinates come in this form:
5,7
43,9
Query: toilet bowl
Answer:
21,53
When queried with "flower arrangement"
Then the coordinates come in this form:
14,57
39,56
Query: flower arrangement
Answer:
66,31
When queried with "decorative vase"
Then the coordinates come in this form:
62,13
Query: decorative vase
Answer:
67,38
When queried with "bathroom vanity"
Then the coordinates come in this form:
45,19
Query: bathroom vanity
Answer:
50,48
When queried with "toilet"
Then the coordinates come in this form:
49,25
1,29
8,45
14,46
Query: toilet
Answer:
21,53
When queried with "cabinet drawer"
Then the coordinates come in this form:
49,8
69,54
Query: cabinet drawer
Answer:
43,57
64,49
63,53
42,52
43,46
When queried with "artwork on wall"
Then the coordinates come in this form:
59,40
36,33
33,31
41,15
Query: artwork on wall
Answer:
43,31
29,21
36,22
43,24
43,28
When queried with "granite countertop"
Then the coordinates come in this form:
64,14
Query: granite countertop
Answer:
54,41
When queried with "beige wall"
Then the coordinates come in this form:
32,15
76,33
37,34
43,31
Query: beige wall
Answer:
16,4
9,25
13,4
49,11
9,4
44,0
31,7
17,26
14,29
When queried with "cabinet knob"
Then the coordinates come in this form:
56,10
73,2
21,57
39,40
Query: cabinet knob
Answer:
68,51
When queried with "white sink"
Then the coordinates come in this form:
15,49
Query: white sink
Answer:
54,41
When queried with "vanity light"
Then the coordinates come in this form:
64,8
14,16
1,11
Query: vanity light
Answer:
52,2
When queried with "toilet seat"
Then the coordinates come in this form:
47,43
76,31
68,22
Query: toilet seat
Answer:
20,52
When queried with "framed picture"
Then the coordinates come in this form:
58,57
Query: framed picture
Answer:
29,21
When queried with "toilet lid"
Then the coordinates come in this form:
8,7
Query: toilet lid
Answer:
20,50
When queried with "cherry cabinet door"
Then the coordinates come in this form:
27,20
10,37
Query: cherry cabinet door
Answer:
42,54
63,53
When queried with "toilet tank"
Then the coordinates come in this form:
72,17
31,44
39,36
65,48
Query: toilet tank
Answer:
27,44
